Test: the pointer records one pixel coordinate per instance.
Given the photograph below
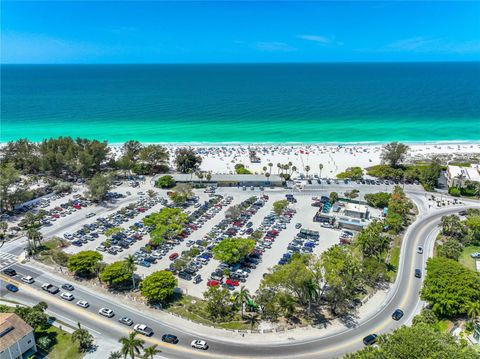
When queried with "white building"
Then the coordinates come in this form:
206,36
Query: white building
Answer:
457,175
356,210
16,337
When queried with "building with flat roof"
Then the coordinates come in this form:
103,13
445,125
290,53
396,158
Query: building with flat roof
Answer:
230,180
16,337
356,210
457,176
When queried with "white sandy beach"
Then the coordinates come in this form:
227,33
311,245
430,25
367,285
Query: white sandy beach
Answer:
334,158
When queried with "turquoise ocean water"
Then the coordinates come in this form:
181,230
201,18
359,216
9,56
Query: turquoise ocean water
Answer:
251,103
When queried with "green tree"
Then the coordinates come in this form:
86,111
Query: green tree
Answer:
158,286
131,345
232,250
115,355
166,181
449,287
473,310
34,316
241,170
352,173
452,226
372,240
83,337
378,200
116,273
186,160
352,194
84,263
218,303
451,249
151,351
374,271
242,296
9,176
333,197
99,186
280,206
131,267
155,158
394,153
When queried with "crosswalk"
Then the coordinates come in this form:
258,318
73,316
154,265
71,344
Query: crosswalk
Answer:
7,259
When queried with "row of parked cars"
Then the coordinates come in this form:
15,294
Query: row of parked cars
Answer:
304,242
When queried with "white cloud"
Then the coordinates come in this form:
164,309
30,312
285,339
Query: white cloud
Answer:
274,46
433,45
322,40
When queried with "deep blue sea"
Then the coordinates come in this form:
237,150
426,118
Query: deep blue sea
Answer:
258,103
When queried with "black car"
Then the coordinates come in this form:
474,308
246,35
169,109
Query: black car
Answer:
184,275
10,272
170,338
418,273
370,339
397,314
197,279
67,286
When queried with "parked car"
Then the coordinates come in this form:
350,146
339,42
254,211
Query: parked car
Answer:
199,344
173,256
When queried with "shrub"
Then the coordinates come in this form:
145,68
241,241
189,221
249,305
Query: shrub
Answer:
454,191
166,181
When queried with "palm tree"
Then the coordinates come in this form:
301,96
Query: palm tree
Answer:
208,176
311,289
131,345
307,169
83,337
270,164
242,296
131,267
320,167
473,310
115,355
150,352
253,319
34,237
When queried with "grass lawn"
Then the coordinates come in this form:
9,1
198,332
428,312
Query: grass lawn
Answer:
63,346
465,258
196,312
394,259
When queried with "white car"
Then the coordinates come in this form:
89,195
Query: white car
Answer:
199,344
90,215
419,250
28,279
67,236
83,304
67,296
106,312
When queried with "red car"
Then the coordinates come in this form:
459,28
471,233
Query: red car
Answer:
173,256
56,215
212,283
77,206
232,282
141,209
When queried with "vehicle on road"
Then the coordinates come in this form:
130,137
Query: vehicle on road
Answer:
90,215
370,339
199,344
170,338
28,279
10,272
68,286
67,296
126,321
143,329
106,312
397,314
475,255
419,250
83,304
12,288
418,273
50,288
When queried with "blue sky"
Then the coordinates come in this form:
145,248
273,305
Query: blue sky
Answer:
192,32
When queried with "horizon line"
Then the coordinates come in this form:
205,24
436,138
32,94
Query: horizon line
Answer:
239,63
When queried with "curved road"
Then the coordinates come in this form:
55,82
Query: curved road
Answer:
404,294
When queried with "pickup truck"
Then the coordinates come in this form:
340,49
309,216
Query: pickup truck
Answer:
50,288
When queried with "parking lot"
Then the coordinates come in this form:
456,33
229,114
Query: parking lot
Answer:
85,226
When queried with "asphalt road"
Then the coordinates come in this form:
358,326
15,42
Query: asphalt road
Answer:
404,295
